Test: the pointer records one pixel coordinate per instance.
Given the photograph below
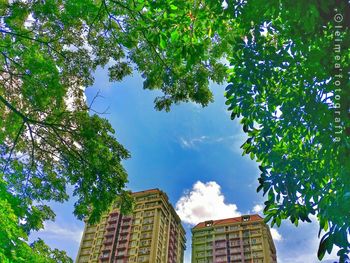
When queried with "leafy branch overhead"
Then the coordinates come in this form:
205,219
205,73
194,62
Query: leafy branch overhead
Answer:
281,77
49,141
283,86
48,57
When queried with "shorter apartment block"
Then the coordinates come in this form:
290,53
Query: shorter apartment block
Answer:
153,233
244,239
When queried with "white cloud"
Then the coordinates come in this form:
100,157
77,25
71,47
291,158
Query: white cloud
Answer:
258,208
303,239
233,141
58,232
192,143
276,236
204,202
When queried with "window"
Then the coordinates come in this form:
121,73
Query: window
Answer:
255,232
234,227
153,196
149,213
144,250
137,221
135,236
220,237
234,235
138,214
220,229
145,242
148,221
201,254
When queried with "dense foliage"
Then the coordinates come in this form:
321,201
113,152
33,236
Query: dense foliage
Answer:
289,83
283,73
51,139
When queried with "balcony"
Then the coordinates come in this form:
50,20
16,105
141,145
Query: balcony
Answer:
235,251
124,233
108,241
89,237
235,244
119,256
112,226
220,246
113,219
220,253
104,257
91,230
122,246
107,248
109,234
87,244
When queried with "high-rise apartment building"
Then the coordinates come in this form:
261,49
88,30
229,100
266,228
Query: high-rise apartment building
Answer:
153,233
244,239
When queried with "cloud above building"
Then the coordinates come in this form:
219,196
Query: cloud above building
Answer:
58,232
258,208
204,201
276,236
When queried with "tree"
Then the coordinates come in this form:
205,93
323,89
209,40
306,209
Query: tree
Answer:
13,248
48,255
294,103
280,81
50,138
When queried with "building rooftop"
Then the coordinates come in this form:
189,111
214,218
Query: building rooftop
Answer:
227,221
153,190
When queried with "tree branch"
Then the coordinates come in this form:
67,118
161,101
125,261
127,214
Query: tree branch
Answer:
33,39
14,145
131,12
26,119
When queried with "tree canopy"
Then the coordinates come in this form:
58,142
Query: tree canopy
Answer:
51,139
289,83
279,58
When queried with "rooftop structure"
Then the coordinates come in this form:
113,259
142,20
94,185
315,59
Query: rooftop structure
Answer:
244,239
153,233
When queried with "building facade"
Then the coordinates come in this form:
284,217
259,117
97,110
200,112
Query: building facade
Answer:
244,239
153,233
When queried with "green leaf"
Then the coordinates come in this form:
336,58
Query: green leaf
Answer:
162,42
174,36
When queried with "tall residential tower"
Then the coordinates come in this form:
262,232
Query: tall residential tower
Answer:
153,233
244,239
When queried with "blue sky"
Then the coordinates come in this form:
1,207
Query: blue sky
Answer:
191,153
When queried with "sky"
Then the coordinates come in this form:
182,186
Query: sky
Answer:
191,153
